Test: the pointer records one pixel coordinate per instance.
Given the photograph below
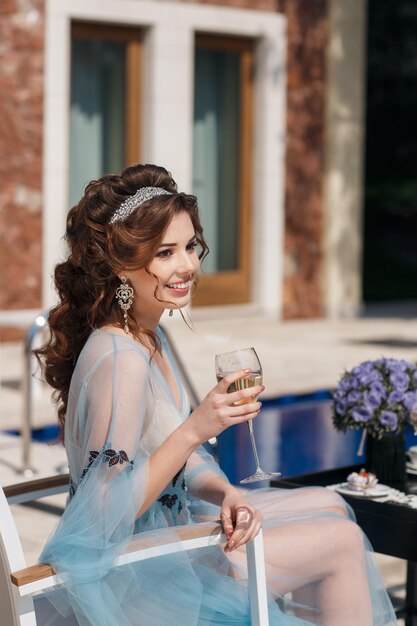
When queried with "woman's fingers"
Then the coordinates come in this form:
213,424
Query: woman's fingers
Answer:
244,396
244,409
241,395
247,526
224,384
227,524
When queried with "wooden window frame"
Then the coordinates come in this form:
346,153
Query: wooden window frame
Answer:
133,38
234,287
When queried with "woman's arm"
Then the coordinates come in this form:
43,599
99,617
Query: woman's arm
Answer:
216,412
241,521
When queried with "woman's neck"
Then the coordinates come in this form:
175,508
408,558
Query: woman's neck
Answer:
148,320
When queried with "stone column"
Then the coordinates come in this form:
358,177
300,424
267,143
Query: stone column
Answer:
344,169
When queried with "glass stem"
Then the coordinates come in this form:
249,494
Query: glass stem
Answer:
252,440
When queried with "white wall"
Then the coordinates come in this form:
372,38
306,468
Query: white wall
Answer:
345,129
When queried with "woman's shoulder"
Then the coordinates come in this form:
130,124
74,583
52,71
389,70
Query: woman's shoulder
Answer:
106,347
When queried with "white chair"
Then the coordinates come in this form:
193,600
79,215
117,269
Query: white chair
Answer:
21,587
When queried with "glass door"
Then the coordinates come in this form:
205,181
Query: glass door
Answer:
222,159
105,111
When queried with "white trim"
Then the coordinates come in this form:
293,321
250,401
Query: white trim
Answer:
168,89
19,318
258,599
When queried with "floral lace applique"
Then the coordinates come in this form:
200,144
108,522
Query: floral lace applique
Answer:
110,456
177,475
168,500
72,488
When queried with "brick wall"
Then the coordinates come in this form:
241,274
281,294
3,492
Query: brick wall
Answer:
21,89
307,34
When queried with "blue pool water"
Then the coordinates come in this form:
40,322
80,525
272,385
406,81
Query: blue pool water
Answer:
294,435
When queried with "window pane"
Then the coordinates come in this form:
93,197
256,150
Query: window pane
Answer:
216,153
97,111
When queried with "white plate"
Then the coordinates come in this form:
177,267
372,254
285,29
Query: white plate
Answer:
374,492
411,468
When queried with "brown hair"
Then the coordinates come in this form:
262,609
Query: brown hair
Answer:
87,281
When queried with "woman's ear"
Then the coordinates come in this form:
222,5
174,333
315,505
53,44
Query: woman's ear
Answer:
122,275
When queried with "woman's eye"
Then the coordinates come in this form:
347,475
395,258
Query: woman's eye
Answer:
192,245
164,254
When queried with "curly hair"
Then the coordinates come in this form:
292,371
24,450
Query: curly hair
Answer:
87,281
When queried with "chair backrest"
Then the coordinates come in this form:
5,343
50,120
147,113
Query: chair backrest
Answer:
11,558
14,610
18,583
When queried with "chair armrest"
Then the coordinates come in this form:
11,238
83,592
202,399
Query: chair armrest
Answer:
138,549
34,489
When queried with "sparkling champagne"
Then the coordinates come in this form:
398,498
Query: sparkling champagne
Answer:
252,380
244,359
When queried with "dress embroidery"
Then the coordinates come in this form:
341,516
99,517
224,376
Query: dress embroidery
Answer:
177,475
72,488
110,456
168,500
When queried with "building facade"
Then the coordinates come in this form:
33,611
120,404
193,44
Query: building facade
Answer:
255,105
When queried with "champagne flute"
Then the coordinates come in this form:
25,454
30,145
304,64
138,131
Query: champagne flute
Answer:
244,359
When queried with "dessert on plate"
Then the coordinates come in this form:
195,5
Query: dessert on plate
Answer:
362,480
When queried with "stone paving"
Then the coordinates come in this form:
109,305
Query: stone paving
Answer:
297,357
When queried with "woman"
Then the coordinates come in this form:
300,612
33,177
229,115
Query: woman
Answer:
135,453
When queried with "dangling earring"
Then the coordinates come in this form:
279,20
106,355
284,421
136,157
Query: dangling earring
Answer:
171,312
125,296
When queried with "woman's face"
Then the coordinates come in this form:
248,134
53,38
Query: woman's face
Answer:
175,267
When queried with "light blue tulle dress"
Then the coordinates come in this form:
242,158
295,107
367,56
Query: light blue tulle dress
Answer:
120,409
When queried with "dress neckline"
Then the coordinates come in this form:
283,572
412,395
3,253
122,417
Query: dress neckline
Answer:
179,405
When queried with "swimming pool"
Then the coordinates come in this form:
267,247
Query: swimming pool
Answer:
294,435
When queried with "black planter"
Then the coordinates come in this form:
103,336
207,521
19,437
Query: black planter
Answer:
386,458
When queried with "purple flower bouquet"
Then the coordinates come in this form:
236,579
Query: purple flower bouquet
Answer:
376,396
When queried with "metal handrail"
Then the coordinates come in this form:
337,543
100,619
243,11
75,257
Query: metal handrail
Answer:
37,325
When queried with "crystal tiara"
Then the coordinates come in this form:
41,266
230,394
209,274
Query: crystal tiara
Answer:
128,206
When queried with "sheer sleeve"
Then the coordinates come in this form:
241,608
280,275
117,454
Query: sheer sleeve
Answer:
201,466
200,469
108,470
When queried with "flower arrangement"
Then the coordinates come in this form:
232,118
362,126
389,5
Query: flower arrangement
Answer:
376,396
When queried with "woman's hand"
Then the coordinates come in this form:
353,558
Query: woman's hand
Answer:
220,409
241,521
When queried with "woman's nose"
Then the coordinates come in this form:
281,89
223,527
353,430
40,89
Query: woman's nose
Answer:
187,262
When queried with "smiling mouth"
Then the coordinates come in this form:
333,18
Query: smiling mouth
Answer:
180,286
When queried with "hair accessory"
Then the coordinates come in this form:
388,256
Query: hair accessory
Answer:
125,296
128,206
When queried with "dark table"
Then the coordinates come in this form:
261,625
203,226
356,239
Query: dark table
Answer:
390,527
